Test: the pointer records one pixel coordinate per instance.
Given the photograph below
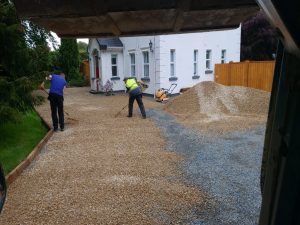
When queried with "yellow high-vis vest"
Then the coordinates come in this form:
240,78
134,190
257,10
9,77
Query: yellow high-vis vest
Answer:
131,84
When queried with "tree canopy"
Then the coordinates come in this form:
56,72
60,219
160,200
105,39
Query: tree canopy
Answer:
24,60
69,58
259,39
82,48
15,87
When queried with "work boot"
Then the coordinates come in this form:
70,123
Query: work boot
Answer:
129,116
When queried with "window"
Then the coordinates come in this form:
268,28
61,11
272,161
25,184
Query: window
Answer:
146,64
208,59
223,56
114,66
172,62
195,62
132,64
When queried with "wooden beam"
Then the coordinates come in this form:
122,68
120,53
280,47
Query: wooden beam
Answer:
114,27
182,6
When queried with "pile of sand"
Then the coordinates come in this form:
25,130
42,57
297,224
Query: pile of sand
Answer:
209,103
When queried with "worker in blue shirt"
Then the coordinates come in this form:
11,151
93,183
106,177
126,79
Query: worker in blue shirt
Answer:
56,98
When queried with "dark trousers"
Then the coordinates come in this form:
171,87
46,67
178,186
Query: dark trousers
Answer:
139,100
57,108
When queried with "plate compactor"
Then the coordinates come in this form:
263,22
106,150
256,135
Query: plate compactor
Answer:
162,94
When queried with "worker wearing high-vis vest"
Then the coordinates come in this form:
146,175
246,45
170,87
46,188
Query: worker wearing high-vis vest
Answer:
135,93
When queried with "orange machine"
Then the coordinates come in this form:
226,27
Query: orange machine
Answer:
162,94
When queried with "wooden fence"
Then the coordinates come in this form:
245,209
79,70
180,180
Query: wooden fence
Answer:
85,69
254,74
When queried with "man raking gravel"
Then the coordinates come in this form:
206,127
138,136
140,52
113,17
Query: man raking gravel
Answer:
56,98
134,88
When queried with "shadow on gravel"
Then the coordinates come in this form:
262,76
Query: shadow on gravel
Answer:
226,167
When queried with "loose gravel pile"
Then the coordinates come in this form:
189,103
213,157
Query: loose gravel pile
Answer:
215,108
103,170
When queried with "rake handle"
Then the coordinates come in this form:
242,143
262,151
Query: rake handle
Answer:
121,110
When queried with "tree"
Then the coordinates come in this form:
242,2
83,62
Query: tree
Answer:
69,58
37,36
13,50
39,52
15,87
54,64
259,39
82,48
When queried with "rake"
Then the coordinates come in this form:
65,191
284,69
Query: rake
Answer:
121,110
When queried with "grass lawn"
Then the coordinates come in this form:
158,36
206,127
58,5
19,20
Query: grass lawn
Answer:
18,140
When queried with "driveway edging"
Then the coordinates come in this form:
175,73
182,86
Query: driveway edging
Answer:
12,176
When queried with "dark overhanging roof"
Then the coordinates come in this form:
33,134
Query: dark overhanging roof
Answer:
111,42
102,18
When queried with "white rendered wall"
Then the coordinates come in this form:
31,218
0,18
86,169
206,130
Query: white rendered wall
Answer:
185,44
93,44
118,85
105,65
159,59
137,45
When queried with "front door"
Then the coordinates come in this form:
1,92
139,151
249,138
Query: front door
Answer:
97,69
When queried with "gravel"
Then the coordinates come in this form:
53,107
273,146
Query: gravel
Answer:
212,98
216,109
219,131
191,167
102,170
226,167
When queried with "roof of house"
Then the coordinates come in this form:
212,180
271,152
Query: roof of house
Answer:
105,43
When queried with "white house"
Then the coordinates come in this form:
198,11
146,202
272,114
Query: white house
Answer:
161,60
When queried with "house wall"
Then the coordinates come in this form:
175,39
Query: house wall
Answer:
159,59
92,45
105,66
137,45
118,85
185,44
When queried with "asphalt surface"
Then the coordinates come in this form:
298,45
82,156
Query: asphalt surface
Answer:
226,167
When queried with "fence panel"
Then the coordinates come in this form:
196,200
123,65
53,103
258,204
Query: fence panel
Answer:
255,74
261,75
222,69
85,69
238,74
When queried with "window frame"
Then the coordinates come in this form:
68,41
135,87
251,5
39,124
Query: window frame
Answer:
132,64
114,65
146,64
223,57
172,63
208,58
195,62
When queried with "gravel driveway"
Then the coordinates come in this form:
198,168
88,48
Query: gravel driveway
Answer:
102,170
226,167
107,170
